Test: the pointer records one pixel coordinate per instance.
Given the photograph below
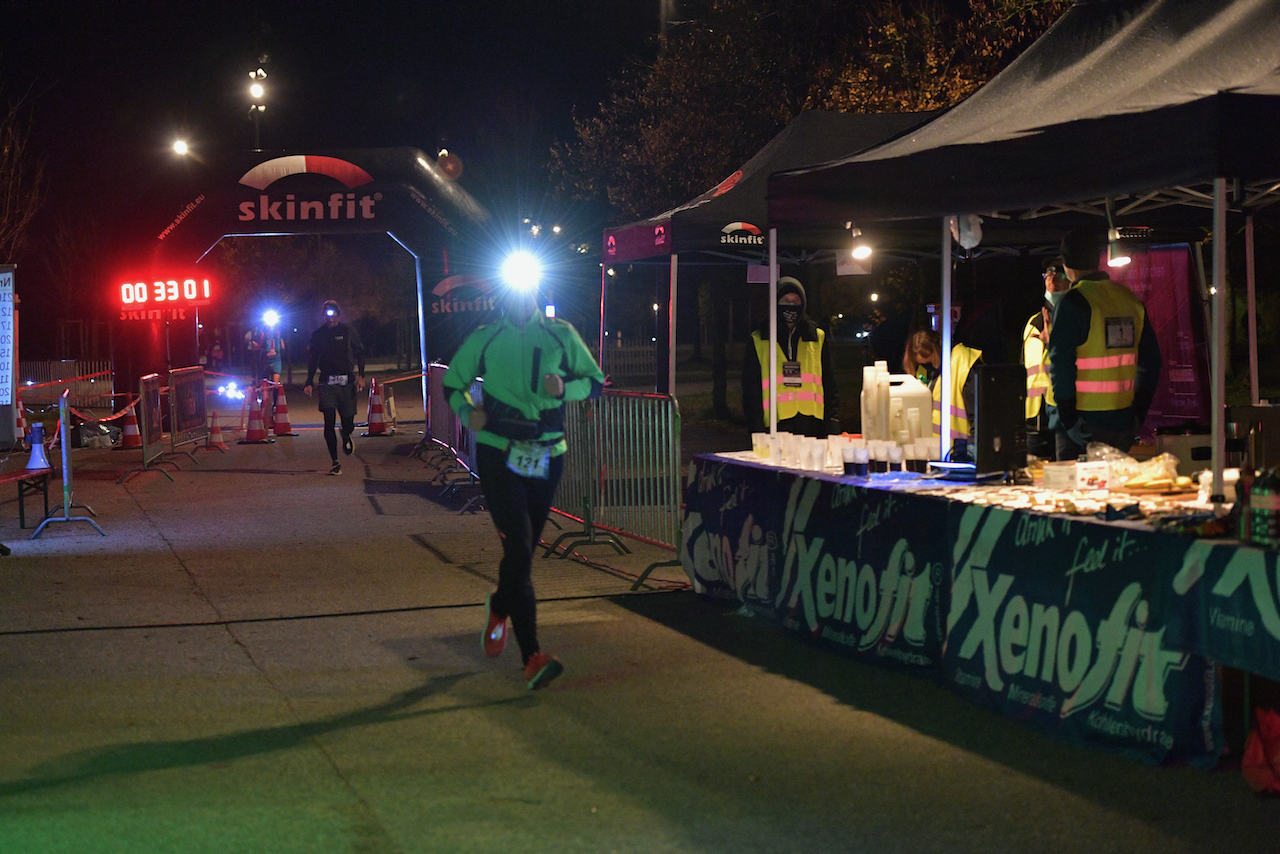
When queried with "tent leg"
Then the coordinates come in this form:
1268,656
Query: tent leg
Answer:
773,331
1218,376
1252,310
945,322
671,327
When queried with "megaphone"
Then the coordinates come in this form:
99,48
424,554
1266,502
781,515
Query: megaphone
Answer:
38,459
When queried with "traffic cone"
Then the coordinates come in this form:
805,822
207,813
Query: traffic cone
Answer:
377,425
215,434
268,420
389,407
131,438
20,421
282,427
256,434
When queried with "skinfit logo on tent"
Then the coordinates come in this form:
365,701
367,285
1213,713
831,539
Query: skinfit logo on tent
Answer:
741,234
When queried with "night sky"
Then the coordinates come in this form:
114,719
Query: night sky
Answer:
112,84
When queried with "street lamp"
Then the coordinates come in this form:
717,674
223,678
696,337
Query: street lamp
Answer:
180,147
257,93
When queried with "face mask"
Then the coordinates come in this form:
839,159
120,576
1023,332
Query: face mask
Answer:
788,313
1054,298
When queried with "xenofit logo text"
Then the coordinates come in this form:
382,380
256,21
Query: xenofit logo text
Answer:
1120,659
337,206
741,234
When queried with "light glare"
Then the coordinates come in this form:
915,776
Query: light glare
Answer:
521,271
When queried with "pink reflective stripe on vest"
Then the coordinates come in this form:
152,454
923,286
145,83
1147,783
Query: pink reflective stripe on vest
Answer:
804,378
1096,363
1036,391
1103,386
1035,370
792,396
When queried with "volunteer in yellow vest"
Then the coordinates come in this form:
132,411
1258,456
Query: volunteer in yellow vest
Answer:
1104,360
808,399
963,358
1042,412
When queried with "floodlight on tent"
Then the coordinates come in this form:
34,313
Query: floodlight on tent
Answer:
1117,254
861,248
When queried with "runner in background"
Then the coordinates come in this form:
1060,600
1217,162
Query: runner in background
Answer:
336,352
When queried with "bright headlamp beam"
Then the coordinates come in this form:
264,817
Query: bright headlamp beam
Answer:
521,271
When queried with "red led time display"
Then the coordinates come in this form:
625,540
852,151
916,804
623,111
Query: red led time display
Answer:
165,293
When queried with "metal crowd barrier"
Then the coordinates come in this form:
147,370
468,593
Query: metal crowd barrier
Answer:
447,439
89,382
622,469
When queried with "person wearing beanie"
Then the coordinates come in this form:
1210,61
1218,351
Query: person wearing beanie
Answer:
1104,359
1042,411
808,397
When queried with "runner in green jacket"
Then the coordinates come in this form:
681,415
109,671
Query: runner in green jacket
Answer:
530,365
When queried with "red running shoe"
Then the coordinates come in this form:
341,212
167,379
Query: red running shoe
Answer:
541,669
494,639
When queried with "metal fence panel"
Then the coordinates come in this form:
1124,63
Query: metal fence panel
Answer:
624,462
43,382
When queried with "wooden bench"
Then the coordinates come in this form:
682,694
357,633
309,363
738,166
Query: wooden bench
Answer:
30,482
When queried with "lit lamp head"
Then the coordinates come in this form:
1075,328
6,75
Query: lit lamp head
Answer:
332,312
521,273
271,317
1117,254
861,248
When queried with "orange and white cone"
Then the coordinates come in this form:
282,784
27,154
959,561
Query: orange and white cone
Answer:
389,407
377,424
281,425
131,438
268,420
20,421
256,434
215,434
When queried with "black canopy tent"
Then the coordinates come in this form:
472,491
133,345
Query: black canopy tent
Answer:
1141,107
725,224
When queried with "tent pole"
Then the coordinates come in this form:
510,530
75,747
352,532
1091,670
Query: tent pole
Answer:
604,281
773,331
1252,310
944,378
671,327
1218,379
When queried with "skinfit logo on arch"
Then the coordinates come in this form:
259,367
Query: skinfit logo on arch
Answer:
741,234
338,206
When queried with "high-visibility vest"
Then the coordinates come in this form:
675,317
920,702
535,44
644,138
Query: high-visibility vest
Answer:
962,361
1036,359
1107,362
804,399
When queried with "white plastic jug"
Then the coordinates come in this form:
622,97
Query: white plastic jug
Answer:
914,395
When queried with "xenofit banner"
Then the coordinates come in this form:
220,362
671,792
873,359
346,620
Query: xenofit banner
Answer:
1099,634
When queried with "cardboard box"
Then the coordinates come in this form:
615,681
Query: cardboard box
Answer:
1077,476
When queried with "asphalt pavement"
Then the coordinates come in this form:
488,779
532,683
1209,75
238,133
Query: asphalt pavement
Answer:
257,657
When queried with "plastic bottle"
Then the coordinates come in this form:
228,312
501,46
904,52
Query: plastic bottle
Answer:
1244,503
1264,501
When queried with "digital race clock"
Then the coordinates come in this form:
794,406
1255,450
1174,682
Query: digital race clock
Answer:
178,292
